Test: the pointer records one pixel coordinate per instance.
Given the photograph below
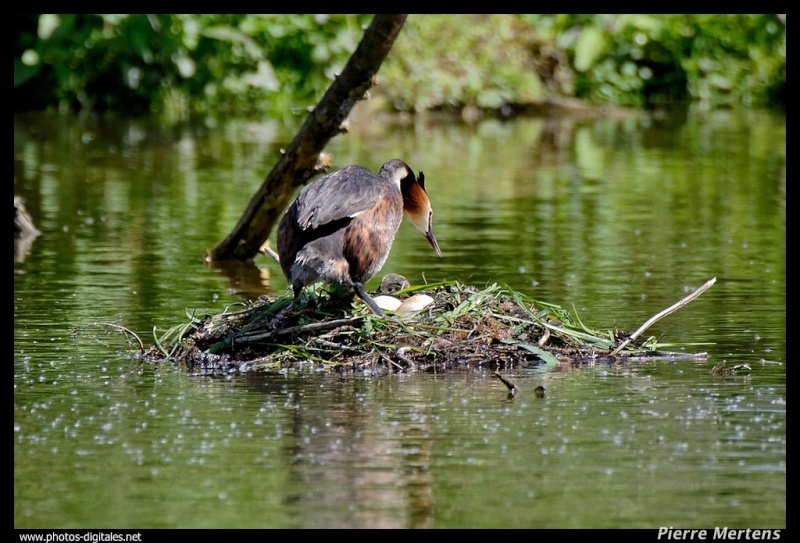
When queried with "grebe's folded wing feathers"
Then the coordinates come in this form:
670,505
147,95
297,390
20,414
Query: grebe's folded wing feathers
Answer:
340,195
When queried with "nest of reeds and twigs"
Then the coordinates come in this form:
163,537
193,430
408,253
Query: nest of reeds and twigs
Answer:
493,327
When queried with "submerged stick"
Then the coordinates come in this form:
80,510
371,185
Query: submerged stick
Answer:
668,311
512,388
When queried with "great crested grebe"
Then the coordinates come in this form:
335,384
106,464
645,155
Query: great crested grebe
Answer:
340,227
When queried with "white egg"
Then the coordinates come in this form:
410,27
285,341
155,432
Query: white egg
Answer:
387,303
414,304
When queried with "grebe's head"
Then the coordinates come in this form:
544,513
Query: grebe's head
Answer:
416,204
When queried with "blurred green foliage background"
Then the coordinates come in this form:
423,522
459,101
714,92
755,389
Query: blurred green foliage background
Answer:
278,65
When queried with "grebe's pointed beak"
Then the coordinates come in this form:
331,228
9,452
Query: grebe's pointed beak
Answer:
432,240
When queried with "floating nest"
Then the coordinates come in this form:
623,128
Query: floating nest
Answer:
494,327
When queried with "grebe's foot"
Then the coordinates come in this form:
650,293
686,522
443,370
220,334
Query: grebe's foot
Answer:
359,288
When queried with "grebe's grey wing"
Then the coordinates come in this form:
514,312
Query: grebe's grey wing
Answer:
338,196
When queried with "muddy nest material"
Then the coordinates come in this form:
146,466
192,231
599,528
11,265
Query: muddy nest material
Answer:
495,327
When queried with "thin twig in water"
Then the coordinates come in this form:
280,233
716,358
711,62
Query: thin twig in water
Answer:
671,309
122,328
401,355
269,252
390,361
